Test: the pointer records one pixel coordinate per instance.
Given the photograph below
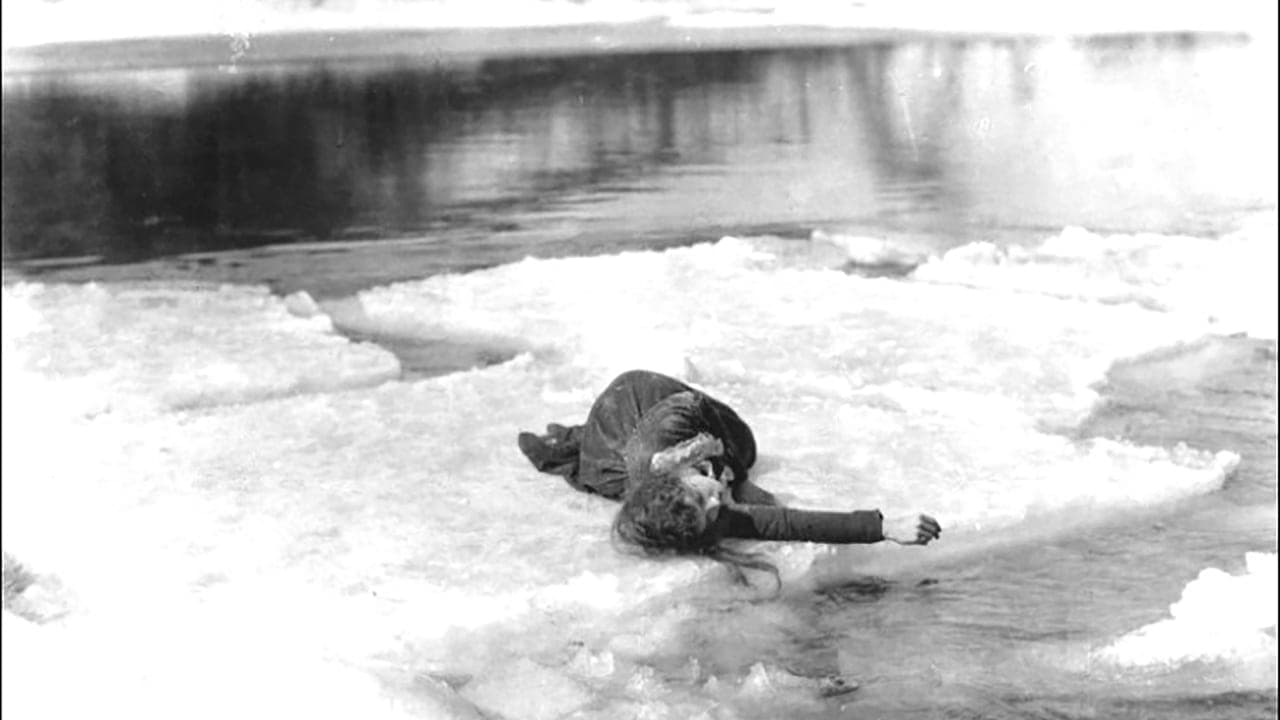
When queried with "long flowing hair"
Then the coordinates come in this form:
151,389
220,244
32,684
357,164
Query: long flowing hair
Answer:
659,519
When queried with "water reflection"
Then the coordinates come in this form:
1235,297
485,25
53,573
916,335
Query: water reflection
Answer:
949,137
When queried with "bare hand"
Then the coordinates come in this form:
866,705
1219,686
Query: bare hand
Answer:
688,452
911,529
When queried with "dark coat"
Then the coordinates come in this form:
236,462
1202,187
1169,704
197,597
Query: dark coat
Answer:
641,413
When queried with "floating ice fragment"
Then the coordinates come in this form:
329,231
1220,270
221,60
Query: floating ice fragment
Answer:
46,599
764,680
1224,282
868,250
1219,617
301,305
144,347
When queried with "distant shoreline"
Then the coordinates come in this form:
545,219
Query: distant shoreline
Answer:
461,45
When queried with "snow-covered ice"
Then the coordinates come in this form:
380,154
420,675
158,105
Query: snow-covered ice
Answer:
251,501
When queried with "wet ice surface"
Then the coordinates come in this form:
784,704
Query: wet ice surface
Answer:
248,501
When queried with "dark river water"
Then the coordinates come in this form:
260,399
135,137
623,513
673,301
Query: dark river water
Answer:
473,163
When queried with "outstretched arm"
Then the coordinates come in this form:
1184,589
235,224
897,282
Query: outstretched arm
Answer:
758,522
763,522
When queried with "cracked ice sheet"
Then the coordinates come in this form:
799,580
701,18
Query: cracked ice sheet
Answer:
749,314
401,518
350,526
1222,624
436,459
146,347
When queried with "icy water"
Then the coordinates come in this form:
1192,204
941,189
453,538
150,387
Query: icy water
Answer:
269,336
929,144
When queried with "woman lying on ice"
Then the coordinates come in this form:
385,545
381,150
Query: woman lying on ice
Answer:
678,460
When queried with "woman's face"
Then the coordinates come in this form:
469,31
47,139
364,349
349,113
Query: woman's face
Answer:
701,481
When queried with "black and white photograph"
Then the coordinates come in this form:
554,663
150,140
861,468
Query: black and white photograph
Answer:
639,360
